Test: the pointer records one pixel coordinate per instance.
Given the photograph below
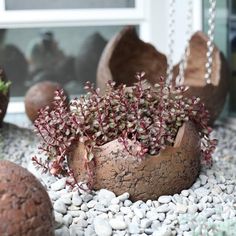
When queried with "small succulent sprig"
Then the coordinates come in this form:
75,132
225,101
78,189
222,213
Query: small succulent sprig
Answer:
150,117
4,86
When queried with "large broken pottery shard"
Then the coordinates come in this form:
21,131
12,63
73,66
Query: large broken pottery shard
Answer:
125,55
214,94
4,98
174,169
25,207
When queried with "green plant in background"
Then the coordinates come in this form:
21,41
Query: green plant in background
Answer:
4,86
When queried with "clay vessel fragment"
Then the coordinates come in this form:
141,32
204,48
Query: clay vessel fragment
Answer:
214,94
125,55
174,169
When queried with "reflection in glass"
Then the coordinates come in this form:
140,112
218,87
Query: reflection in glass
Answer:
67,4
66,55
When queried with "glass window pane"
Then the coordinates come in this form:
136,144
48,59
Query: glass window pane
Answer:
67,4
68,55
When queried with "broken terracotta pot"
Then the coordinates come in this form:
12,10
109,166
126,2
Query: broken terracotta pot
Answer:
25,207
126,54
214,94
4,98
39,96
174,169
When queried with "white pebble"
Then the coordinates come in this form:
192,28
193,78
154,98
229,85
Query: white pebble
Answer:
145,223
59,184
114,208
53,195
127,203
58,219
201,192
123,197
102,227
162,231
105,196
185,193
163,208
66,199
67,220
164,199
84,207
91,204
60,206
138,212
180,208
76,199
133,228
152,215
161,217
118,223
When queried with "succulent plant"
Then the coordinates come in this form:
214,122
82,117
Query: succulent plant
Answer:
148,116
4,86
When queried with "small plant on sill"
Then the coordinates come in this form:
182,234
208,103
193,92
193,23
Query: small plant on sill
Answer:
152,122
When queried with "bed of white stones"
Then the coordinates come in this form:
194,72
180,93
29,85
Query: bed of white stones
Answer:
199,210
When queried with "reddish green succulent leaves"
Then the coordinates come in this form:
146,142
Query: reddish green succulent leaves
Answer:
150,117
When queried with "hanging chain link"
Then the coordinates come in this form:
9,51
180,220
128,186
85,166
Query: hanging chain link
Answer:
171,31
183,63
210,42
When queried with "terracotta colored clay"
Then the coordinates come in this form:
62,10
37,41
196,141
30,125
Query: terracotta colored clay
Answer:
174,169
39,96
125,55
214,94
4,98
25,208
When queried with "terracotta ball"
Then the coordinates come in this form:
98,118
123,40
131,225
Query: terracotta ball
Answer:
4,98
174,169
39,96
25,208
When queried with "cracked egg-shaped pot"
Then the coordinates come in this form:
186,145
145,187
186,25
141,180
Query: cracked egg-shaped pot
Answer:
4,98
126,54
25,207
174,169
212,95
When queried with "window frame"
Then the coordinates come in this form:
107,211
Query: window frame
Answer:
146,14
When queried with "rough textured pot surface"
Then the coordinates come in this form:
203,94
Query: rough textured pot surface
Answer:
125,55
39,96
174,169
214,94
4,98
25,208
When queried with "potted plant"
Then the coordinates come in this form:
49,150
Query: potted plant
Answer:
144,140
4,95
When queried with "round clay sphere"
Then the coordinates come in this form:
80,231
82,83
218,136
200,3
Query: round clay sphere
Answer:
39,96
4,98
25,208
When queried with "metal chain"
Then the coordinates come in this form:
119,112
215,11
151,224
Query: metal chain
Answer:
210,43
183,63
171,31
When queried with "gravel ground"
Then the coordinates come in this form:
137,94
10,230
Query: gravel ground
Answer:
207,208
